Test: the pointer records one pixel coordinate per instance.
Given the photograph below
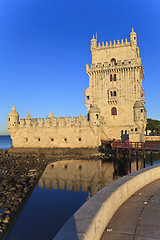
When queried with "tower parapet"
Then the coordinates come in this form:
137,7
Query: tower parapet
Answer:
114,44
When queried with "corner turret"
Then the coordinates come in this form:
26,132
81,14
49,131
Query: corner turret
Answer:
94,114
133,38
93,43
140,117
13,118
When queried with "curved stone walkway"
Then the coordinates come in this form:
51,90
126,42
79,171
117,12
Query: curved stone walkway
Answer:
138,218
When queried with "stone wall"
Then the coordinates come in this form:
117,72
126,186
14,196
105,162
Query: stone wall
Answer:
152,138
55,132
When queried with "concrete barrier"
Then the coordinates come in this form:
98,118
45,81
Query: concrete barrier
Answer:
89,222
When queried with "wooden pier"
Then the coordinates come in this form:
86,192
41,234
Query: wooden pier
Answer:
136,146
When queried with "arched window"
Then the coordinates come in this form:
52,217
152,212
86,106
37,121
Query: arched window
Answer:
115,77
113,61
110,77
114,111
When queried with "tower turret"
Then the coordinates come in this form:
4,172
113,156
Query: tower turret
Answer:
93,43
140,117
133,38
94,114
13,118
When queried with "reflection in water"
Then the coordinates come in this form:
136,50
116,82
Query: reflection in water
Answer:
92,175
64,187
77,174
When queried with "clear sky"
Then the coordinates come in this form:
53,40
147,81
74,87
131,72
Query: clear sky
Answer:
45,45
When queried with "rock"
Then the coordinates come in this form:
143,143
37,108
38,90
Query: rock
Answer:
6,219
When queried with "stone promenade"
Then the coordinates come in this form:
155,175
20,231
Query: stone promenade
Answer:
138,218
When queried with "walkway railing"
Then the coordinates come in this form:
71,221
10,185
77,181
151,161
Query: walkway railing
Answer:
137,146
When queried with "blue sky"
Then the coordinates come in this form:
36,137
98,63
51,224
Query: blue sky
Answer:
45,45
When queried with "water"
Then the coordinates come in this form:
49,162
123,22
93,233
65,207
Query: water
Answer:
63,188
5,142
45,212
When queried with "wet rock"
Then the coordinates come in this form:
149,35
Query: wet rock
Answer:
6,219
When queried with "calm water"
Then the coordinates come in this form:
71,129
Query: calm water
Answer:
63,188
5,142
45,212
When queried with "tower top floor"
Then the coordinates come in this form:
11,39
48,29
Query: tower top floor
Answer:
120,51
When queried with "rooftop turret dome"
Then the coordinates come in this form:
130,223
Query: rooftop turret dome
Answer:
138,104
94,109
13,111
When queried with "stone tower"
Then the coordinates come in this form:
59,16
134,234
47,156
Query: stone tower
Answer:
115,86
114,100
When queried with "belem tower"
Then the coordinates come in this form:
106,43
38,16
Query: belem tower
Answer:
114,101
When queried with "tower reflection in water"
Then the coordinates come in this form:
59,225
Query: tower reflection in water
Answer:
77,175
92,175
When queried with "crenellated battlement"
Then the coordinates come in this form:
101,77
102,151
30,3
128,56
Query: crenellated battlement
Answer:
53,122
120,64
113,44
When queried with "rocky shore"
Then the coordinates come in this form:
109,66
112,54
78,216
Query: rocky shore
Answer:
19,173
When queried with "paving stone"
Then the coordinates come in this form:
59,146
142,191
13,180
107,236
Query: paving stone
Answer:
135,219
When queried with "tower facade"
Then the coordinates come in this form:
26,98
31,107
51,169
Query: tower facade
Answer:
115,86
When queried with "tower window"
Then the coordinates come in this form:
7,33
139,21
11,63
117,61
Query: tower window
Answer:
26,139
65,139
114,93
141,110
110,77
88,117
122,62
114,77
97,116
87,97
113,60
114,111
52,139
111,93
8,119
79,139
39,139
